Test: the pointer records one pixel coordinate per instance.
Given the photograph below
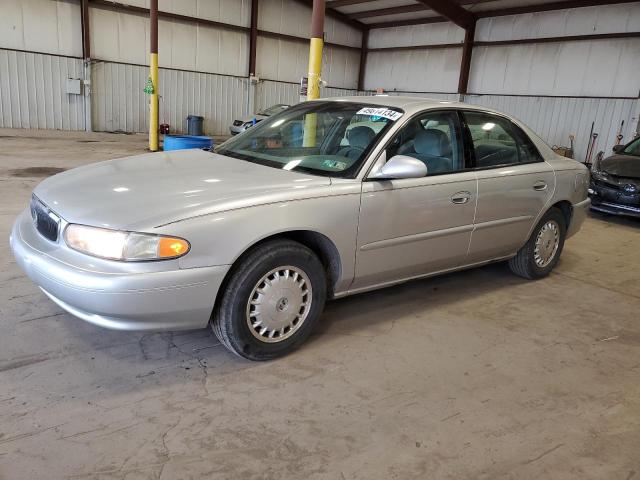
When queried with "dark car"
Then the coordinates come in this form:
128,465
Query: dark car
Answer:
615,181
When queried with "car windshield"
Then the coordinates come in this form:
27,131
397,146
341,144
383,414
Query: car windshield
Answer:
267,112
633,148
322,138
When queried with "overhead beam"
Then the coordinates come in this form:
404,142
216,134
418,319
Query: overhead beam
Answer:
547,7
454,12
390,11
407,23
345,3
417,7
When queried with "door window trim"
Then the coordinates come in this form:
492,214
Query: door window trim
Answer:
467,137
465,160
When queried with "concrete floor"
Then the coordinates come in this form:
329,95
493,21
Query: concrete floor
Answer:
474,375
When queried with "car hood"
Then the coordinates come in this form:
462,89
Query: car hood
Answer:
154,189
622,166
249,118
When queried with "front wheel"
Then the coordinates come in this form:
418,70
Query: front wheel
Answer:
542,251
273,299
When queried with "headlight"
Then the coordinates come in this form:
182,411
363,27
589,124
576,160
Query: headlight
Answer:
124,246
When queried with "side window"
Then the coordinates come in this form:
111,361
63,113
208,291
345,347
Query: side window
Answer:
498,141
433,138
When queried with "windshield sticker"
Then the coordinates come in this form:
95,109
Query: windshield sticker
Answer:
380,112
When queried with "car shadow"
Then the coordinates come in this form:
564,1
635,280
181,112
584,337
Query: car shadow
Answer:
130,360
621,220
422,296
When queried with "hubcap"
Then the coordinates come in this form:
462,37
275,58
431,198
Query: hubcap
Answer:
279,304
547,243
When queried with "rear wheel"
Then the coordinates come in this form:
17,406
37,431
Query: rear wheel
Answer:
542,251
273,299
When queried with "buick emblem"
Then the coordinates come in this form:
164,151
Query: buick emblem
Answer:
630,188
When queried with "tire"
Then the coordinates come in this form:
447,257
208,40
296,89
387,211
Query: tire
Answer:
269,289
529,264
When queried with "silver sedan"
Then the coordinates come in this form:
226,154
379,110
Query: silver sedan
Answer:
311,204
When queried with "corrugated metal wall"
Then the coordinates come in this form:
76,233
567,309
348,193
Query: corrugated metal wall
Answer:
119,104
534,82
288,60
32,91
124,37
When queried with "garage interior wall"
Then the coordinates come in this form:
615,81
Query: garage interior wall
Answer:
556,88
203,68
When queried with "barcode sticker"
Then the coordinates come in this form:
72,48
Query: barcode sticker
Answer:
380,112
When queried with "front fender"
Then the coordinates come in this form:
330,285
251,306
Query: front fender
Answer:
221,238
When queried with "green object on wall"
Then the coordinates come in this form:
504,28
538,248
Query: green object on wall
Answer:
148,88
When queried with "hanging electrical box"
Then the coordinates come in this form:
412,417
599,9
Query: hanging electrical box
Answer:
74,86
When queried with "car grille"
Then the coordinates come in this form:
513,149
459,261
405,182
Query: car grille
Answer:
237,123
46,222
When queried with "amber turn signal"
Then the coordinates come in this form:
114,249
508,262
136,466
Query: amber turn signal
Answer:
172,247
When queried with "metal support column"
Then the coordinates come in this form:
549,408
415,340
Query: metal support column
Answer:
315,49
253,49
363,59
153,75
465,64
315,68
86,61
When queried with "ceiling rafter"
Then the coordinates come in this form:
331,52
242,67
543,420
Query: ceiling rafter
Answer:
345,3
416,7
544,7
454,12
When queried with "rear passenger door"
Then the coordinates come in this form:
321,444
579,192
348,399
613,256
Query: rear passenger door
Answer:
514,184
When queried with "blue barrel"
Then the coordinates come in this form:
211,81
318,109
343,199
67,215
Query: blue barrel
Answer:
184,142
194,125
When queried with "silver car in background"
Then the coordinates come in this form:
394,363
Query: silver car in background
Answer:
311,204
241,124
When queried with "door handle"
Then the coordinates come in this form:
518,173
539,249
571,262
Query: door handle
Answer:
540,185
460,197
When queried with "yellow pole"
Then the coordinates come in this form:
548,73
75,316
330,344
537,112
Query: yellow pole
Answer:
153,104
153,74
315,68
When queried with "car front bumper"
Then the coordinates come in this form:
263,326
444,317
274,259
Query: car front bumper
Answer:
616,209
156,299
235,130
614,201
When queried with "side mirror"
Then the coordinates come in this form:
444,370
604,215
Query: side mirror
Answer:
618,148
401,166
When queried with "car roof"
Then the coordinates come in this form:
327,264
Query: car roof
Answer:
407,103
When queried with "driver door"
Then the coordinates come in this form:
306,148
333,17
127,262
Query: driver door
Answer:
416,226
